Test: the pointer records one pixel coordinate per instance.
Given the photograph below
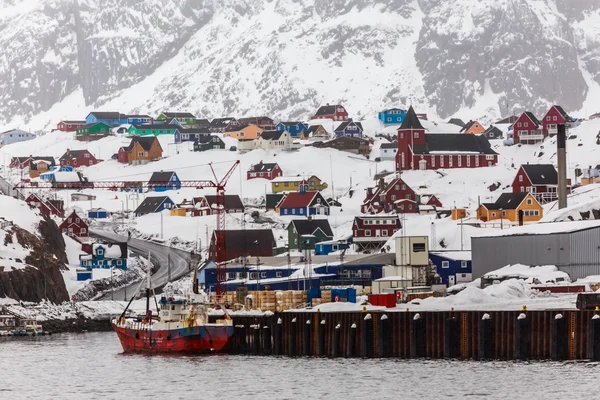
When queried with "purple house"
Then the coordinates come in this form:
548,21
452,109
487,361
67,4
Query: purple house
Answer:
349,128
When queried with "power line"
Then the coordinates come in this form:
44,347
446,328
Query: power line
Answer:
145,173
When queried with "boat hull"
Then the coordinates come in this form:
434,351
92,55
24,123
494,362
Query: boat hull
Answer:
196,339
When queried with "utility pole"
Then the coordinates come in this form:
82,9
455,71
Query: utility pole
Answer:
169,266
161,225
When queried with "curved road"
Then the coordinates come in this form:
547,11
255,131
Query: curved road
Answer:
160,254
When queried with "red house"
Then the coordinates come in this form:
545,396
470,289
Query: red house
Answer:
555,116
47,207
25,162
264,123
373,232
238,243
267,171
527,129
394,195
420,151
69,126
78,158
336,112
73,225
541,180
430,200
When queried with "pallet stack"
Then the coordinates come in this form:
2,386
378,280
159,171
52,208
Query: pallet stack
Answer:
289,299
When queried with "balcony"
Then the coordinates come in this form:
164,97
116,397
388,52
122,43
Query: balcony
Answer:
536,137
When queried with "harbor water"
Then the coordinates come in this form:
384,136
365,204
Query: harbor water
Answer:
92,366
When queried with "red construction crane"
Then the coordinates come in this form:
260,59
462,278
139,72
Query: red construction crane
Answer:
220,211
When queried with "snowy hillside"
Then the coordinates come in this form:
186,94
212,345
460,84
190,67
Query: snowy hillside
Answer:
63,58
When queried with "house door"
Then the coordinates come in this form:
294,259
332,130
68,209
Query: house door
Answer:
451,280
377,233
422,164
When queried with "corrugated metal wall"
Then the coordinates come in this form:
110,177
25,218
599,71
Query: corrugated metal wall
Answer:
576,253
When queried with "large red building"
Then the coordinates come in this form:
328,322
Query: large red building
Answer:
527,129
370,232
555,116
335,112
69,126
74,225
541,180
241,243
418,150
392,196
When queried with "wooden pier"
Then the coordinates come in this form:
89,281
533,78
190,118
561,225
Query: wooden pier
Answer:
467,335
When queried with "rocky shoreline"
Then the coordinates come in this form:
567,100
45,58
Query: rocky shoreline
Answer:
76,325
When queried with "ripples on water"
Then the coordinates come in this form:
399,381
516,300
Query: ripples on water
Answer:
91,366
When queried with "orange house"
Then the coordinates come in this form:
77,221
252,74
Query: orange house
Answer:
473,127
244,132
141,150
509,206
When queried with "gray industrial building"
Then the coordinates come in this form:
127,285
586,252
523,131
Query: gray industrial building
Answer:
573,246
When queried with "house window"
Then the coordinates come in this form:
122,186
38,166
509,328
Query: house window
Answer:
525,124
389,119
91,162
384,232
463,264
468,161
477,161
252,275
402,207
285,212
367,232
442,161
407,196
489,157
555,118
401,135
70,220
119,262
520,178
503,213
493,214
433,161
100,252
263,275
459,161
83,230
393,197
416,135
548,118
293,211
100,263
278,274
519,125
450,161
445,264
76,220
86,155
529,202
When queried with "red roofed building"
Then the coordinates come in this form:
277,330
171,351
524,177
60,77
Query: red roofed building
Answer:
303,203
267,171
69,126
335,112
555,116
527,130
392,196
74,225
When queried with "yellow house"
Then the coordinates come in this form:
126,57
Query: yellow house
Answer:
244,132
509,205
292,184
459,213
179,212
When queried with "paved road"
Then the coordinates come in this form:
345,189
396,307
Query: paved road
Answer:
180,262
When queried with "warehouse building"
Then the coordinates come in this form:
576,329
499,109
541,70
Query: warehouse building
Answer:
573,246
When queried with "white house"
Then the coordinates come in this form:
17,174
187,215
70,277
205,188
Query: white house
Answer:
269,140
388,151
14,136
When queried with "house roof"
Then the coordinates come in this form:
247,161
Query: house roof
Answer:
271,135
411,121
206,139
314,128
391,145
343,126
541,174
73,154
457,122
509,201
112,250
151,204
327,110
492,129
34,158
544,228
221,122
468,126
454,142
145,142
178,115
232,201
73,122
67,176
202,122
107,114
301,200
137,116
263,167
273,199
348,142
508,120
249,239
87,126
162,176
291,123
359,221
309,227
234,128
532,117
250,120
203,131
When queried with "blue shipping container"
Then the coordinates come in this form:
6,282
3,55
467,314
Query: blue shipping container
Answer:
345,295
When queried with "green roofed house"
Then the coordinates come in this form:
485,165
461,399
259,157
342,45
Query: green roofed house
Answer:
314,230
91,132
152,130
185,118
272,200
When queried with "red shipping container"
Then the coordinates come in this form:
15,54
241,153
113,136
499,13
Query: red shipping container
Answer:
385,300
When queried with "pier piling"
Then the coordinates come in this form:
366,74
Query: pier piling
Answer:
266,345
277,337
256,343
292,342
321,350
335,351
522,337
307,339
417,337
560,344
366,342
383,339
594,339
352,341
486,341
452,337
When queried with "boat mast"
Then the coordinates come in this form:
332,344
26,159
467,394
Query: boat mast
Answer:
148,284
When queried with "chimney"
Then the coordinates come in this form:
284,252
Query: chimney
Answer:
561,139
381,184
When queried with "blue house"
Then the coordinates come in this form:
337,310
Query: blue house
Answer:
393,116
139,119
47,176
295,128
190,135
453,267
303,203
97,213
154,205
109,118
331,246
163,181
105,256
349,128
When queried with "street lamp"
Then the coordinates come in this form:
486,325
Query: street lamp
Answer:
351,179
257,266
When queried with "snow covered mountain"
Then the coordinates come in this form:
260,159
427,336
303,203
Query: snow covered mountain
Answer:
62,58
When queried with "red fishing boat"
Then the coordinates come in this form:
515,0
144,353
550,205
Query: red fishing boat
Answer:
181,326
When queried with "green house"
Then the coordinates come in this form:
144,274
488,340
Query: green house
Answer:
204,143
316,230
152,130
186,118
97,128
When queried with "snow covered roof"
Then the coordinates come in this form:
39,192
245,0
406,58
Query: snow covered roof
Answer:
544,228
392,279
457,255
288,179
67,176
114,250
